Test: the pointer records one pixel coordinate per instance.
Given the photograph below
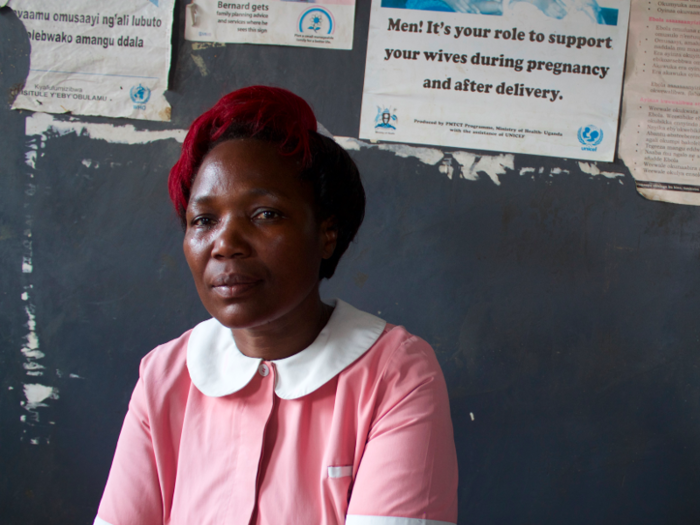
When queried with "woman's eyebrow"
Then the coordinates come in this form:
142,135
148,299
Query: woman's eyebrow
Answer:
264,192
208,198
201,199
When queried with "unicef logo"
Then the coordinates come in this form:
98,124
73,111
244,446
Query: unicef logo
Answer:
316,20
590,135
140,94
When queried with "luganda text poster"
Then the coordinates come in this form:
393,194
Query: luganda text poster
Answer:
660,130
324,24
526,76
97,57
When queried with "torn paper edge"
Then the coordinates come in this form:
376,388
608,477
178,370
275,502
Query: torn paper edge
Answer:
470,164
42,123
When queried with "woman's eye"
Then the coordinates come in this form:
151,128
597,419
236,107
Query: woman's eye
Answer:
266,215
203,222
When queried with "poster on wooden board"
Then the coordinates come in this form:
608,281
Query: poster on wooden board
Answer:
96,57
525,76
323,24
660,129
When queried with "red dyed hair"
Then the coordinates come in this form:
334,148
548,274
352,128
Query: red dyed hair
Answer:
276,114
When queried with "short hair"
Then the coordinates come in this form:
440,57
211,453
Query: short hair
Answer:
283,119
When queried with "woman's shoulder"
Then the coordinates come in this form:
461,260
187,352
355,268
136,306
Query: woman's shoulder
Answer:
166,363
398,343
399,370
397,352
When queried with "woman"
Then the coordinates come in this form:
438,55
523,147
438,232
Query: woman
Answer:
280,409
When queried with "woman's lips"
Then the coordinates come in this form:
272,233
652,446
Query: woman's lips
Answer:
230,286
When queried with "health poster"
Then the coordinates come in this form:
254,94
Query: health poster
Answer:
660,130
526,76
97,57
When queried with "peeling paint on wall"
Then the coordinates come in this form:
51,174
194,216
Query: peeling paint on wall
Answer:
430,156
469,165
592,169
41,123
491,165
39,127
35,394
321,129
201,65
198,46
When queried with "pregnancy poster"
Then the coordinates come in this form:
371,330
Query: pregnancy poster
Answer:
325,24
526,76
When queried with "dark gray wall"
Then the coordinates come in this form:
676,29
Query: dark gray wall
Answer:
563,308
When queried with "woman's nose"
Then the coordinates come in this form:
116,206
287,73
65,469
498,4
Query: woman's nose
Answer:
231,240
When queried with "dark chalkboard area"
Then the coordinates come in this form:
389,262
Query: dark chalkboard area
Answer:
563,307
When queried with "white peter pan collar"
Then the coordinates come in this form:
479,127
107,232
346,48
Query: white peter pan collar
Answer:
217,368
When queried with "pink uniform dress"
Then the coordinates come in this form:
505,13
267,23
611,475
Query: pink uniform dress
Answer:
354,429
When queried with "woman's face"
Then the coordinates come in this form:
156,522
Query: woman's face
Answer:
252,241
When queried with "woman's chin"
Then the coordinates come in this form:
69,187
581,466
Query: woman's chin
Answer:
242,315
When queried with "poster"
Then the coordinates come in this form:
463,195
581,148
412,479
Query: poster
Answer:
97,57
525,76
660,131
326,23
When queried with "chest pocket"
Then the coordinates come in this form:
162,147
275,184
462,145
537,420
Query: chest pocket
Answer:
339,484
340,471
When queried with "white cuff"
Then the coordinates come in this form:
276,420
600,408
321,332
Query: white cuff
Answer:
100,521
356,519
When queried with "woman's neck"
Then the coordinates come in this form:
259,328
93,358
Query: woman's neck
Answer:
287,335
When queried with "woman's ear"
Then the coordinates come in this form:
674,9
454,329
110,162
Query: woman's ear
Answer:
328,237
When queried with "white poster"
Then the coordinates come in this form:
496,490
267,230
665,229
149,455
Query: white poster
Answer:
97,57
660,130
524,76
325,23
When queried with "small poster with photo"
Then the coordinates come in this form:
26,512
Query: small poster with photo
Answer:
324,24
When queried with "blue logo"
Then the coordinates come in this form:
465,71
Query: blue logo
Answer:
316,20
140,94
590,135
384,118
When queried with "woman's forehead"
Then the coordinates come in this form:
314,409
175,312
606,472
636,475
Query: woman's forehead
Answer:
251,166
